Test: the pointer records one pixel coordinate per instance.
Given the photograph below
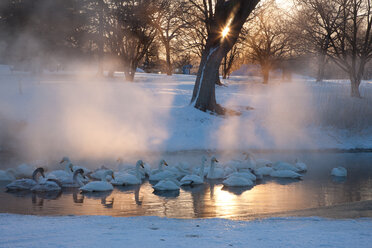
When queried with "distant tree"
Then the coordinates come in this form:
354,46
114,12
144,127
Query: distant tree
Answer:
267,40
351,45
134,32
225,21
167,20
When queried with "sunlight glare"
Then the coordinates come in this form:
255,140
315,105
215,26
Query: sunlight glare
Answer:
225,31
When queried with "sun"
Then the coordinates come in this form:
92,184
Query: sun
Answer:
225,31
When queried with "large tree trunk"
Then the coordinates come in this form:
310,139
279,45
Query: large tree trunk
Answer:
206,98
265,70
231,13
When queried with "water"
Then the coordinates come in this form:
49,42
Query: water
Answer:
268,197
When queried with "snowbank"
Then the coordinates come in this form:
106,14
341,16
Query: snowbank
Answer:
105,231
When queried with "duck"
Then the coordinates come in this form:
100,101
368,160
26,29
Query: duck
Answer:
8,175
280,165
26,183
99,186
237,180
194,179
215,172
301,166
122,179
162,173
339,172
167,184
75,181
285,174
47,185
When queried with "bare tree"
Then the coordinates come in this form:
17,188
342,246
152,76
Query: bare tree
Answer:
351,45
225,21
268,41
134,33
168,23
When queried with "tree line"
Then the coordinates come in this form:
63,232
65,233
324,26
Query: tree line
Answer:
127,34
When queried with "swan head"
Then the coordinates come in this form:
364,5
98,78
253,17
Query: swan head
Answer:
119,160
162,162
65,159
108,174
140,164
204,159
79,171
38,170
214,160
71,167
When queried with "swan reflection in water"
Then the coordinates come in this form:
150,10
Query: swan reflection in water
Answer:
39,197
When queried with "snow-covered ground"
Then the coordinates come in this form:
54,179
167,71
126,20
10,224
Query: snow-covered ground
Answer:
105,231
84,116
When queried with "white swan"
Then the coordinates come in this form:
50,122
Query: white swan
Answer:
247,163
263,171
196,170
128,168
195,178
99,186
47,185
237,181
62,175
167,184
215,172
301,166
26,183
339,172
261,162
67,160
8,174
162,173
245,174
127,178
98,173
24,171
75,181
286,174
285,166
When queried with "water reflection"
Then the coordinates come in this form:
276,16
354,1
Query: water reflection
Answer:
211,199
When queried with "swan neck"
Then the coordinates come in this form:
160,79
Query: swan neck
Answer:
201,171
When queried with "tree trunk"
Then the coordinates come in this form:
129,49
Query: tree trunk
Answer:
218,81
321,67
100,39
265,75
206,98
168,60
355,82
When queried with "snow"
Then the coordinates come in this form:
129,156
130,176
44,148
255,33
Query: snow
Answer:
83,116
106,231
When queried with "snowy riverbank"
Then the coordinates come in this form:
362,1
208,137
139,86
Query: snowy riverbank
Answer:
100,231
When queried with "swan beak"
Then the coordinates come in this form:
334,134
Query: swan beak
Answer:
62,161
215,160
113,176
142,165
165,163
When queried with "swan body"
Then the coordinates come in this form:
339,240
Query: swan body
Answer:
98,174
8,175
339,172
129,179
192,180
285,166
263,171
286,174
75,181
62,175
26,183
99,186
246,174
47,185
260,162
215,172
161,173
24,171
167,184
300,166
237,181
